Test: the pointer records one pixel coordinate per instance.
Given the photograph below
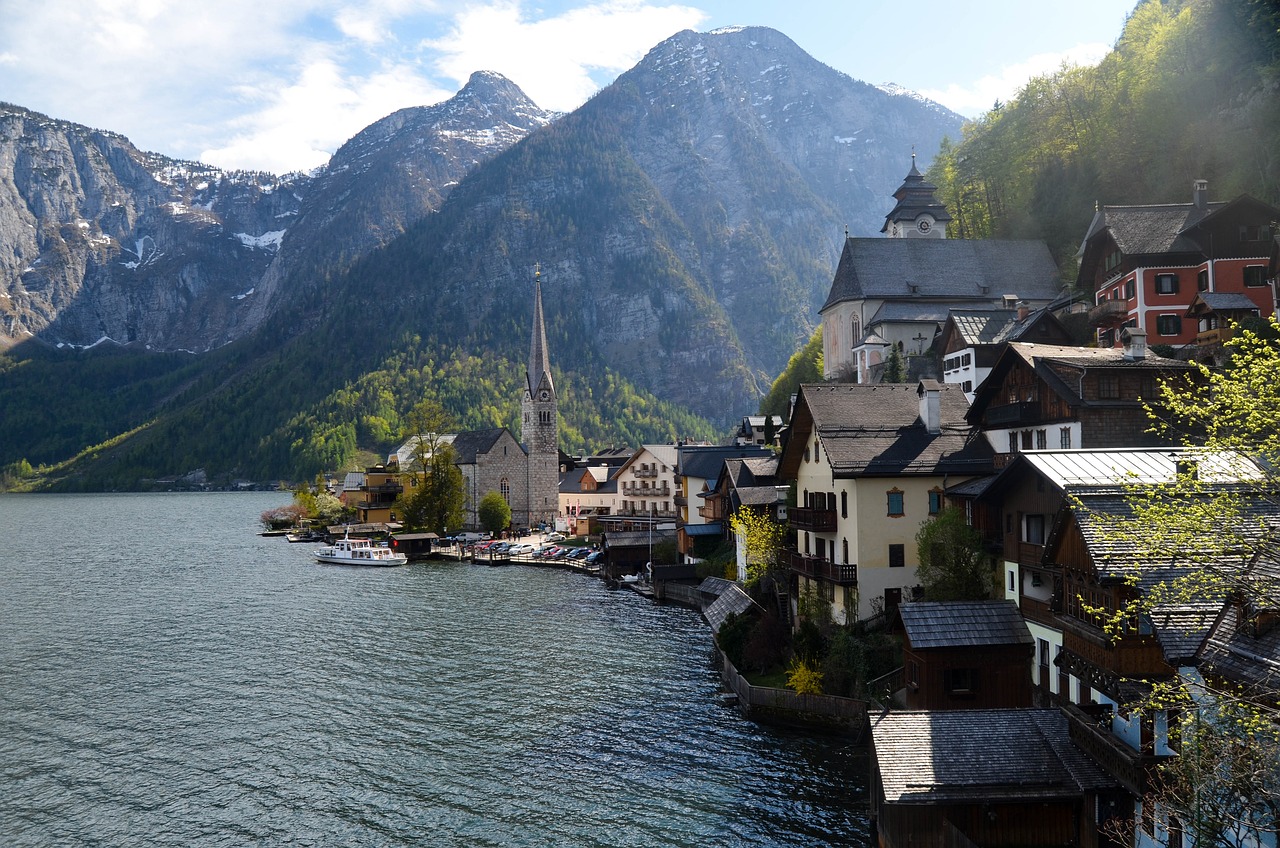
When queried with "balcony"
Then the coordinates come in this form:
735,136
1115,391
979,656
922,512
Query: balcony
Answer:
648,492
1023,412
820,568
644,472
1090,729
1109,313
814,520
1216,336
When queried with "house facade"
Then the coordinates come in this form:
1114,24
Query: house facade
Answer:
869,464
647,486
896,291
972,339
1145,264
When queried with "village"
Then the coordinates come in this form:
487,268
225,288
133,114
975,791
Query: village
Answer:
1028,706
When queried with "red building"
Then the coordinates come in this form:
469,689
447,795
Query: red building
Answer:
1146,264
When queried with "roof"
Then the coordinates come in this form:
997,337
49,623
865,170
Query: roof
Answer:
1244,650
706,461
732,600
471,444
1181,629
1225,302
993,326
635,538
711,528
909,312
980,756
973,269
875,430
957,624
1132,466
1150,229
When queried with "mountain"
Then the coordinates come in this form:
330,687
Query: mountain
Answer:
110,242
686,219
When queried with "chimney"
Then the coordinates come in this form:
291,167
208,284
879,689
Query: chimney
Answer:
930,392
1135,343
1023,310
1200,194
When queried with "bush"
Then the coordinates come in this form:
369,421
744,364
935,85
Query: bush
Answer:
806,679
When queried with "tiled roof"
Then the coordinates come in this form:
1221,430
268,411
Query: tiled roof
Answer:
971,756
1240,652
1150,229
875,430
954,624
1181,629
705,461
1227,301
470,444
732,600
905,312
958,269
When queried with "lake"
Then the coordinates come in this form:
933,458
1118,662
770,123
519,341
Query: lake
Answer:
170,677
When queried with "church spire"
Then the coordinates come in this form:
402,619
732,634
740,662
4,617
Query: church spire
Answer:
538,374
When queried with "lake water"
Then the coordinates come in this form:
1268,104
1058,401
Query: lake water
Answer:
170,677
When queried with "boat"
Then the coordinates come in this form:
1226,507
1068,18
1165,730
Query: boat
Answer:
348,551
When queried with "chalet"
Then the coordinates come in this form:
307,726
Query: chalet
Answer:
1216,315
698,467
869,464
965,655
587,492
746,483
759,430
905,284
986,777
972,339
1145,264
647,485
1047,396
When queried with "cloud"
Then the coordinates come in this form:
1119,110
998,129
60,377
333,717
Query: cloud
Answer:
975,99
300,125
554,59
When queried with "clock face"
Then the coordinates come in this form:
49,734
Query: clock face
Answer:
923,226
544,395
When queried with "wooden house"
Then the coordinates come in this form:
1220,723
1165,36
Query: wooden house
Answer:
971,340
965,655
986,777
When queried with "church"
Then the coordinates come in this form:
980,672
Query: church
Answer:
524,470
896,290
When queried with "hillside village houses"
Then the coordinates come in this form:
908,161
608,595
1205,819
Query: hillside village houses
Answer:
1033,439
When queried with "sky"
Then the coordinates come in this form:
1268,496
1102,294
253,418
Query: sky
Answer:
279,85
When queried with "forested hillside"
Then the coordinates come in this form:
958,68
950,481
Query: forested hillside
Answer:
1190,91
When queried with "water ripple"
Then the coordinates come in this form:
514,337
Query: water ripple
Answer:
171,678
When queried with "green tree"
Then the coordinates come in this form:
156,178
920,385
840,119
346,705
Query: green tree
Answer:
436,496
895,366
953,564
1213,519
495,512
805,366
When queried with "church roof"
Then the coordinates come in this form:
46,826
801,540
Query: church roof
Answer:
471,444
539,370
954,269
915,198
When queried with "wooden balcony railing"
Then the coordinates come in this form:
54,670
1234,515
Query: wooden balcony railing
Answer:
820,568
1090,730
1013,413
815,520
1109,312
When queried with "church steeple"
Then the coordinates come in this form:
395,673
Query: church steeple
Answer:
918,214
540,427
538,373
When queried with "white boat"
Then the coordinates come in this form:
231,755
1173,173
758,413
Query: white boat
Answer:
348,551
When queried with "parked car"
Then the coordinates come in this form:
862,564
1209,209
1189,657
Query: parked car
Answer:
523,549
594,556
554,537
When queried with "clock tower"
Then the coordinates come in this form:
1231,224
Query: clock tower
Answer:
918,213
539,428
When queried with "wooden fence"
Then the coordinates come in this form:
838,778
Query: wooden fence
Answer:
783,706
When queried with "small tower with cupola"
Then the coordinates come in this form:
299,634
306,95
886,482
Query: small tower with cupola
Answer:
540,429
918,214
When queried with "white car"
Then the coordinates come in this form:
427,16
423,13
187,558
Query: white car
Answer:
553,537
522,549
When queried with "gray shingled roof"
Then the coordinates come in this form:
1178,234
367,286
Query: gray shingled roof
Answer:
1227,301
922,313
956,269
1150,229
705,461
960,756
957,624
474,442
875,430
1236,651
732,600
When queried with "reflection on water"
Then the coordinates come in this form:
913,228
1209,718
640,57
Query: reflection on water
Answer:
169,677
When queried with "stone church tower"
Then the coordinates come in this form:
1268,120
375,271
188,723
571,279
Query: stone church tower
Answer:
539,429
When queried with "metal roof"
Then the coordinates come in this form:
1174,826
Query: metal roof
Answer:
1085,467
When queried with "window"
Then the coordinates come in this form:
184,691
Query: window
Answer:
968,385
960,681
966,359
1128,290
1042,439
844,547
1166,283
895,502
1013,581
1013,442
1108,387
1026,440
935,501
1033,529
844,504
1168,325
1064,438
504,487
1202,280
897,556
1255,275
